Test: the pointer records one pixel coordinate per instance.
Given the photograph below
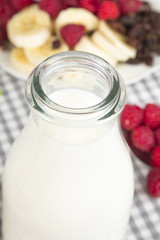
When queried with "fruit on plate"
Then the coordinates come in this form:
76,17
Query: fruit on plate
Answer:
52,46
29,28
52,7
86,45
72,30
117,39
108,10
72,33
20,61
105,28
107,46
77,16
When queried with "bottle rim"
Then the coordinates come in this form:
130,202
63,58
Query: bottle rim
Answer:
106,109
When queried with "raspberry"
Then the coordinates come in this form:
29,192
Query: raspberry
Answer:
153,182
108,10
53,7
6,12
90,5
3,35
72,33
19,4
157,136
130,6
143,156
142,137
131,116
70,3
152,116
155,157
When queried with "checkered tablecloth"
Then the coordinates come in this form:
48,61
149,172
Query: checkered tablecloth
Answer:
145,212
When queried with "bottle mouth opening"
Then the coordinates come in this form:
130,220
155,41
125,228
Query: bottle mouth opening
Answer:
75,70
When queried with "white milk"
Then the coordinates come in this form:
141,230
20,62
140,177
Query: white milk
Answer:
67,184
75,98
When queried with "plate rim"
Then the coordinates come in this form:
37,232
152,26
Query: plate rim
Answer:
17,74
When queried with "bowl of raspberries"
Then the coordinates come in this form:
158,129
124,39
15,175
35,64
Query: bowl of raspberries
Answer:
141,129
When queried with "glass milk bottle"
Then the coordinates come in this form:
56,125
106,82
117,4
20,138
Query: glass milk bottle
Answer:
69,175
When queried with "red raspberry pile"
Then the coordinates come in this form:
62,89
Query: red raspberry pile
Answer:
7,9
103,9
141,127
110,9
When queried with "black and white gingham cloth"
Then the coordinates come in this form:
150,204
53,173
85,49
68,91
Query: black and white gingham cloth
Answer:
145,212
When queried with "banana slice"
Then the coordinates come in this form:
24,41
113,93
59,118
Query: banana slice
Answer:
107,46
86,45
53,26
20,61
29,28
76,16
117,40
51,47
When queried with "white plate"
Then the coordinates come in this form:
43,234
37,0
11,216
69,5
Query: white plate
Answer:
133,73
7,65
130,73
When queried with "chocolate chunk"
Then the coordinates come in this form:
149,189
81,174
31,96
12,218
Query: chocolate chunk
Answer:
90,33
136,31
149,60
152,41
128,20
134,61
133,42
56,44
147,26
145,8
117,26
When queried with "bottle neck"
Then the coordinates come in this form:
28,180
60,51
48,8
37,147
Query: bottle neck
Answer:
71,135
77,71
